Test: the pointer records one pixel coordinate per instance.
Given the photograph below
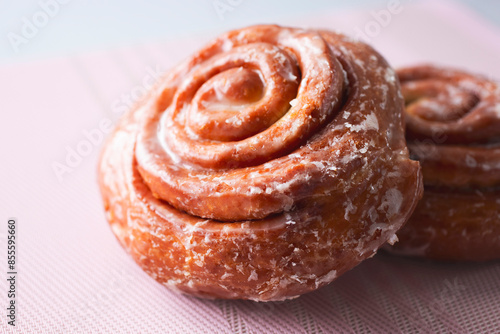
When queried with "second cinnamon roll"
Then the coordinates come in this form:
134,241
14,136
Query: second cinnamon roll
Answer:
453,129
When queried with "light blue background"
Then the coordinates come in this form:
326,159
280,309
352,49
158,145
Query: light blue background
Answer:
81,26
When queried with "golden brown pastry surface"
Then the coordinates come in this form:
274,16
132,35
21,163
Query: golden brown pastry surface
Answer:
453,129
263,167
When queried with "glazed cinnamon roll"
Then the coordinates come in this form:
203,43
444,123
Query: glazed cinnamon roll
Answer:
453,129
263,167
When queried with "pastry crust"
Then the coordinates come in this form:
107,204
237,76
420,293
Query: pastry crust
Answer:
453,129
263,167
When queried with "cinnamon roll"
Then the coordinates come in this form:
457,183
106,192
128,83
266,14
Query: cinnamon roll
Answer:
263,167
453,129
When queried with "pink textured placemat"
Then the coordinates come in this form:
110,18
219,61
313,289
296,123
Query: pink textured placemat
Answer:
73,277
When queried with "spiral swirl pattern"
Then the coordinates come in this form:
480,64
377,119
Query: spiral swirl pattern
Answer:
453,129
262,167
230,110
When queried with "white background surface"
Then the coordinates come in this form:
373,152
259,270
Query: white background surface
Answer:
81,26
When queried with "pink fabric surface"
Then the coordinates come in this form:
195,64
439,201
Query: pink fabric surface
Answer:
75,278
